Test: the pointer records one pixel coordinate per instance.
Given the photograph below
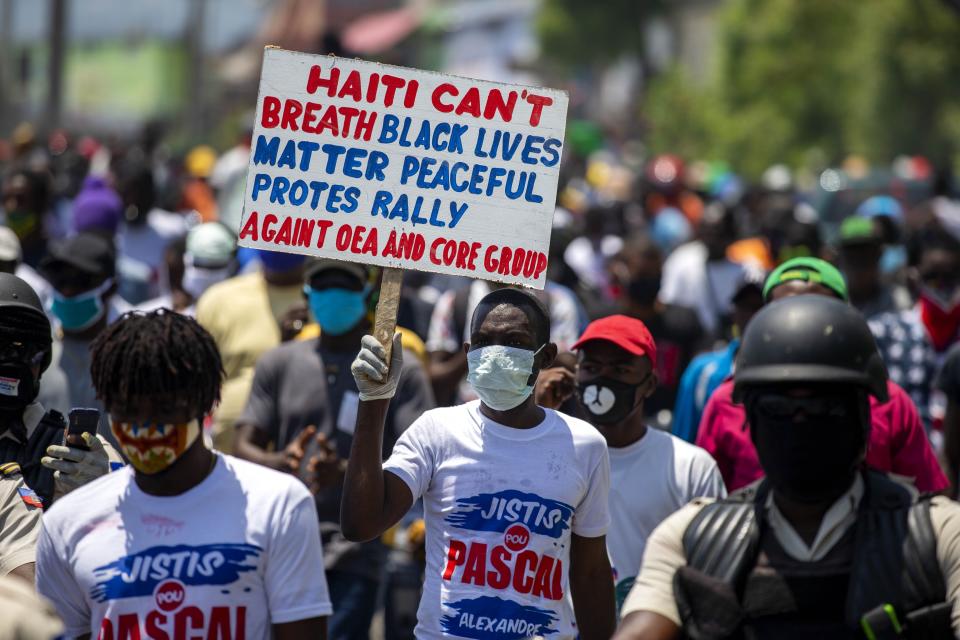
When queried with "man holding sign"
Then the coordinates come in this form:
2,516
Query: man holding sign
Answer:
407,169
515,496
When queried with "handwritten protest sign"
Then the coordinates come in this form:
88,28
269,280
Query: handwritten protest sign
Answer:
403,168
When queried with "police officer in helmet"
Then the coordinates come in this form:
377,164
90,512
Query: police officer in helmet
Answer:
30,436
822,547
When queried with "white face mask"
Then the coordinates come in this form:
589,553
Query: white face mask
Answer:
196,280
500,375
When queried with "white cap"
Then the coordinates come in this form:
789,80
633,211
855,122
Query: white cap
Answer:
9,245
211,243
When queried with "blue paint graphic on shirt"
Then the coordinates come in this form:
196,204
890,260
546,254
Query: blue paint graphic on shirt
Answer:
490,618
497,511
140,573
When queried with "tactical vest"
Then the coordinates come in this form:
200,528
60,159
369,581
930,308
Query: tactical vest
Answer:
35,475
881,580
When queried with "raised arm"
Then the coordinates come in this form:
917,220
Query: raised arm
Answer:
373,500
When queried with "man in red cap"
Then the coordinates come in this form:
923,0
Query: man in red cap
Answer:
652,473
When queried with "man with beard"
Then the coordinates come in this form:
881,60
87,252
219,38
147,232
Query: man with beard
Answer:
822,547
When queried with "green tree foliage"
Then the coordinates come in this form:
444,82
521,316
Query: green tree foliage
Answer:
579,32
907,97
781,63
680,117
802,78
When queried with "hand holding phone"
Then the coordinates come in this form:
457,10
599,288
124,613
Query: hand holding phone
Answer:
81,421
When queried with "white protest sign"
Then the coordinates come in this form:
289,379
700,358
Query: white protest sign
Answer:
403,168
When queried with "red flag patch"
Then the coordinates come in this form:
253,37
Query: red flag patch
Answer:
29,497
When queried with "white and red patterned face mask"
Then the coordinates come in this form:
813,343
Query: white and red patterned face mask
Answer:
152,447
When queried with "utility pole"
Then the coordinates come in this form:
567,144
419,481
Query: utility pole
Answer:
194,104
58,47
7,74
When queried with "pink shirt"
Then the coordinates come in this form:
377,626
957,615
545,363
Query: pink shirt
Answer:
898,443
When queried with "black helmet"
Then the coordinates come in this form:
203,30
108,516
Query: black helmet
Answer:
810,339
21,315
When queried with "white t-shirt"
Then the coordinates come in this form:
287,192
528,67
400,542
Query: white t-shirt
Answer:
590,262
242,548
500,504
649,480
690,281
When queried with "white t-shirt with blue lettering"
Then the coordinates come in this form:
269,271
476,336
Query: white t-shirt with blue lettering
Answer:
238,552
500,505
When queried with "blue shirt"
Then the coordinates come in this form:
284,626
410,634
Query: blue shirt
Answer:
705,373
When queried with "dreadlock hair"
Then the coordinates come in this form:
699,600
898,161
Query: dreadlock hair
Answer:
155,353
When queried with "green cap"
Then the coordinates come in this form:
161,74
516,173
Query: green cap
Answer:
857,230
808,270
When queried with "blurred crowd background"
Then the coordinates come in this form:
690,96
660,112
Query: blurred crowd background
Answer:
708,141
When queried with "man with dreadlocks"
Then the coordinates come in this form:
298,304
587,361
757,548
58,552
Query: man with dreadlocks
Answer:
185,541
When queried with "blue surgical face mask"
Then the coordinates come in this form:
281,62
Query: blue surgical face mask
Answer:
77,313
500,375
337,310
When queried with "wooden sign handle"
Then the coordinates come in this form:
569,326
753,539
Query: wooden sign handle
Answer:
385,321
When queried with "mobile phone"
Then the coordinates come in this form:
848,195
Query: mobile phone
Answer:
82,421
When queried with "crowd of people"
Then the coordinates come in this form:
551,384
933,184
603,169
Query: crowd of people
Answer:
723,416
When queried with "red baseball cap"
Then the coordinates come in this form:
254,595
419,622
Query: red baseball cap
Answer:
629,334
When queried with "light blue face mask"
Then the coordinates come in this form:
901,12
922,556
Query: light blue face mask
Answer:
337,310
893,259
500,375
77,313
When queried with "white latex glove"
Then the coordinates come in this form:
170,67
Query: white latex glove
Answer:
375,379
75,467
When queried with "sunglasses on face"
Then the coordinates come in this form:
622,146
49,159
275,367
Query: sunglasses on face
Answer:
21,352
778,406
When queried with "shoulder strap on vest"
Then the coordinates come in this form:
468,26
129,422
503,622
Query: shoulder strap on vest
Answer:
881,532
896,559
723,539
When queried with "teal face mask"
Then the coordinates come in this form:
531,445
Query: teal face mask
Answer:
337,310
80,312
